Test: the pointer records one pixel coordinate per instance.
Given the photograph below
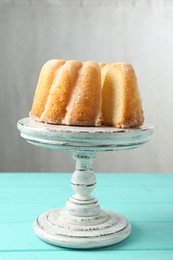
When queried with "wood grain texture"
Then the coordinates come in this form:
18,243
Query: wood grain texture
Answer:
147,201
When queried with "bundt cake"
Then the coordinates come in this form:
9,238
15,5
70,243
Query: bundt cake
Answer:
87,94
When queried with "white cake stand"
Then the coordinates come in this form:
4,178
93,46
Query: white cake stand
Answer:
82,223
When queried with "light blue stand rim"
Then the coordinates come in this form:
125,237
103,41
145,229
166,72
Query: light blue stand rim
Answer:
83,138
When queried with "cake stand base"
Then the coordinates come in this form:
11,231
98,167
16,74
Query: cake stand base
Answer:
52,228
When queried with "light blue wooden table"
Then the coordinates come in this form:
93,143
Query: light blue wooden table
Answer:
145,199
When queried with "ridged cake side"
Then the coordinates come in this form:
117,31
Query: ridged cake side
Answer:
84,107
44,84
121,102
68,92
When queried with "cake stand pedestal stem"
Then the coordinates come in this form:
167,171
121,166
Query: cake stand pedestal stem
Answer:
83,182
83,179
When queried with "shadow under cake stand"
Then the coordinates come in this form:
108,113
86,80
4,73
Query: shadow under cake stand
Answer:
82,223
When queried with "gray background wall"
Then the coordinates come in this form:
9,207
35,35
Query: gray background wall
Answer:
34,31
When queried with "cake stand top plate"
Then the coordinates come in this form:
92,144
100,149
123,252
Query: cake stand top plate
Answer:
83,138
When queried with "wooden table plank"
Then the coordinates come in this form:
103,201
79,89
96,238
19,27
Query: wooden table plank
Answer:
117,179
41,188
90,254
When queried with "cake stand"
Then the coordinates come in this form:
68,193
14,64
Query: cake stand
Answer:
82,223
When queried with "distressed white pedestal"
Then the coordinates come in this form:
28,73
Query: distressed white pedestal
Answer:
82,223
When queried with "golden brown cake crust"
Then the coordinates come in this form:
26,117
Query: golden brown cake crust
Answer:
43,87
85,108
132,114
60,92
68,92
131,104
